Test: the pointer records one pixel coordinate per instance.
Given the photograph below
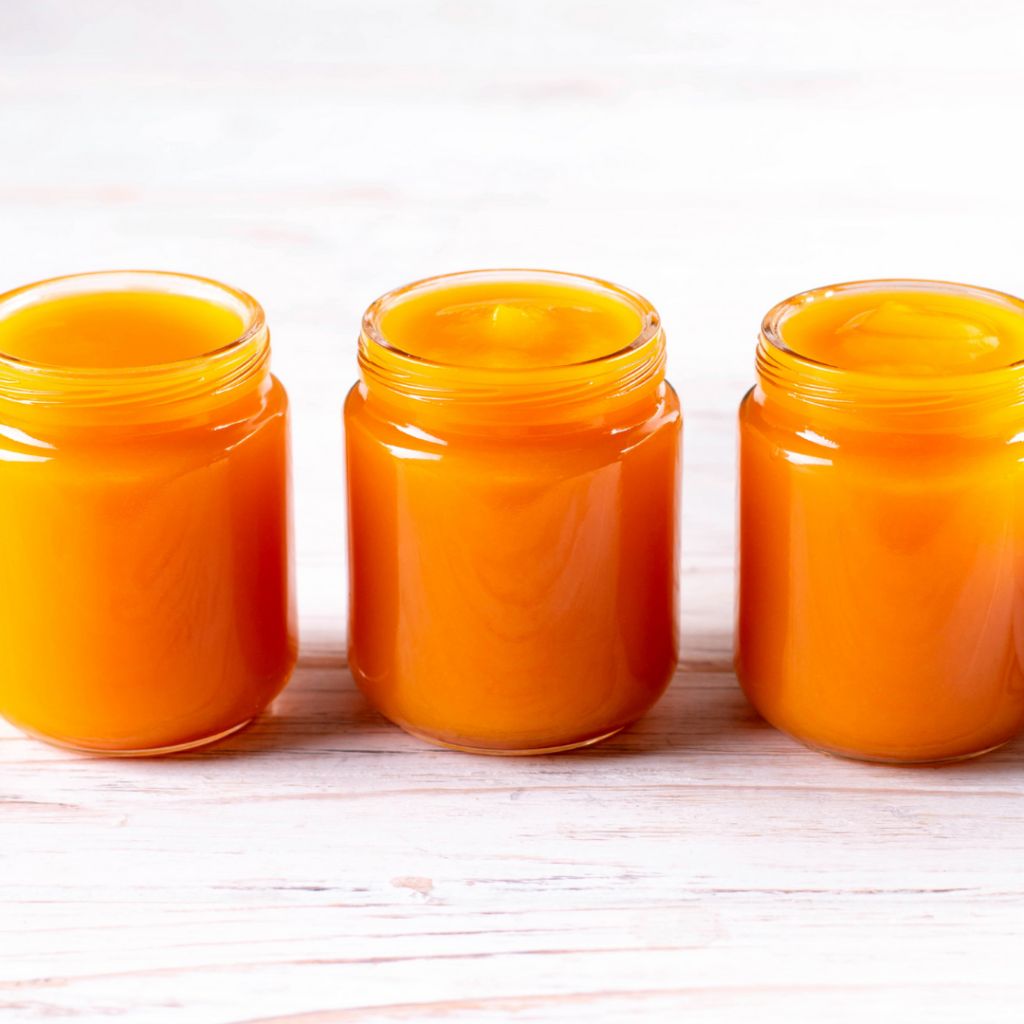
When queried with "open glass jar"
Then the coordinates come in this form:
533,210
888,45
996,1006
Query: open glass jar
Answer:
146,595
881,581
513,489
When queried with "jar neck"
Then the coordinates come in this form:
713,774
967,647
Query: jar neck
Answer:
511,398
972,403
463,396
104,396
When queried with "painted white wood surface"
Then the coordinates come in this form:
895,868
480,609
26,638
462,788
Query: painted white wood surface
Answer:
322,866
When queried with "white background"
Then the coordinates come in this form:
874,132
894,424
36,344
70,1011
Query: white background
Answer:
715,156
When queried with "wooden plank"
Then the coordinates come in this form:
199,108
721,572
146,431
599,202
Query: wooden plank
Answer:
323,860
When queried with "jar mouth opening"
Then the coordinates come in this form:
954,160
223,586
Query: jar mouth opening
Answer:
649,318
157,282
773,323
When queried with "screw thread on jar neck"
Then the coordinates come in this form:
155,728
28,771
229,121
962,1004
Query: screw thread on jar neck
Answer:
147,393
871,400
536,395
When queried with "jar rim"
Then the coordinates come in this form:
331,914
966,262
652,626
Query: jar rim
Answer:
774,319
482,397
926,402
371,323
98,282
213,375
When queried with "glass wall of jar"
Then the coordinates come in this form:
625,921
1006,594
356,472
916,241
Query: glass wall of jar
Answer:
513,456
146,594
881,581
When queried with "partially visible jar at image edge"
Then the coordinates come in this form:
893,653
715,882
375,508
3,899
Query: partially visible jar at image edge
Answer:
513,529
146,595
881,521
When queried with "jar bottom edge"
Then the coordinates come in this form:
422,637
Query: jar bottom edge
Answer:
178,748
494,752
898,762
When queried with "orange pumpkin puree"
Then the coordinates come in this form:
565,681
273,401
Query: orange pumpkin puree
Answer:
881,581
513,460
145,594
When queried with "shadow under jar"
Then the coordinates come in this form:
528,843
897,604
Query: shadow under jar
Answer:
146,600
513,458
881,578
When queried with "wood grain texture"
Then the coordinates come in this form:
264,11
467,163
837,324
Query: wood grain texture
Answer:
322,867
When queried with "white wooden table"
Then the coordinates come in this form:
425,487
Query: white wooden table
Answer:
324,867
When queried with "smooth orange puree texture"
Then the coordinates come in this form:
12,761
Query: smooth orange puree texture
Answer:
144,541
882,521
903,333
118,329
513,555
511,326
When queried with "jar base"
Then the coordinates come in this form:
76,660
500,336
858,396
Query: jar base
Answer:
898,762
493,752
178,748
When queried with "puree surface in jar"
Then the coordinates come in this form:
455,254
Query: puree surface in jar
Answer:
882,521
513,457
511,326
904,333
117,329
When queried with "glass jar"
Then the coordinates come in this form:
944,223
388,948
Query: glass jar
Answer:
513,530
146,594
881,583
